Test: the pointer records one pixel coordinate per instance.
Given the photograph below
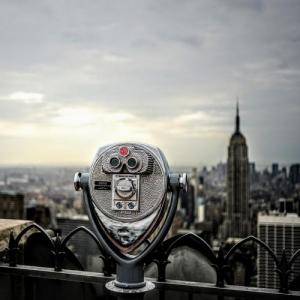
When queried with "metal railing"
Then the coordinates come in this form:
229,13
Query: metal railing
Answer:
220,262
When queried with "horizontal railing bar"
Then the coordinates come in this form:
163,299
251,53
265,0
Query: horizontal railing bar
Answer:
183,286
228,290
50,273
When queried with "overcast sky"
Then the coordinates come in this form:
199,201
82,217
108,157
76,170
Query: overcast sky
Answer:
76,75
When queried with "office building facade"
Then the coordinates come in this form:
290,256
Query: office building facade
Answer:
279,232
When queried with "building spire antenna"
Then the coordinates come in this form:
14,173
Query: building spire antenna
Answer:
237,118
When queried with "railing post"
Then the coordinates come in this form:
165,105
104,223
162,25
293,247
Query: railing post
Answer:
160,258
219,267
58,254
109,265
12,250
161,269
283,270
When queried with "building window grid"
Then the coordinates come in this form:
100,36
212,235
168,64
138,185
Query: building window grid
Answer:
266,256
278,237
258,258
292,248
275,247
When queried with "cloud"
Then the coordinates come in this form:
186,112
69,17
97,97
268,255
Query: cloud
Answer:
253,5
25,97
113,58
12,129
164,72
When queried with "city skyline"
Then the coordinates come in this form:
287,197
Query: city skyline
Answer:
162,73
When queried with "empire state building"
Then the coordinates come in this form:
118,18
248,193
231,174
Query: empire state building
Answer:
237,222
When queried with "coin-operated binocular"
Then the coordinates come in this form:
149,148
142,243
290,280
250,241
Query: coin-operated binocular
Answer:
130,197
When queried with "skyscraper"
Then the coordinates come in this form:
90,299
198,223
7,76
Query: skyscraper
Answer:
295,173
279,232
11,205
237,222
275,169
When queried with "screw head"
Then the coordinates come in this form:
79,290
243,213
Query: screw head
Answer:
119,205
131,205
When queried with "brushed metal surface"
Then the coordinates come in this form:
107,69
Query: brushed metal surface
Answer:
152,185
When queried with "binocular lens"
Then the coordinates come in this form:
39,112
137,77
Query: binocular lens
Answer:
132,162
114,162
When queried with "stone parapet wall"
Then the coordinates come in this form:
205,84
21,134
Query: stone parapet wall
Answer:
8,225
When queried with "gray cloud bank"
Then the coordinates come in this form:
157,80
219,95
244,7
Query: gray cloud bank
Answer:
165,72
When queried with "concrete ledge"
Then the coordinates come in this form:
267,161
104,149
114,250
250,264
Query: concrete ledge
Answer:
8,225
